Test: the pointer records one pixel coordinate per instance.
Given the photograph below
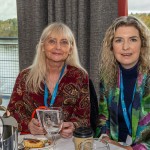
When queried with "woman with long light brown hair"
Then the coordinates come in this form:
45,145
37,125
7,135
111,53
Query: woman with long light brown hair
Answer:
124,110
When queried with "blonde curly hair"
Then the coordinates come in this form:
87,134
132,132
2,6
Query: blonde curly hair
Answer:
108,64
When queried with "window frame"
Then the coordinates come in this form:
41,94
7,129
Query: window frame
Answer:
122,8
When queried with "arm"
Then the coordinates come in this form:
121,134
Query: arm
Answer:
143,137
21,103
16,107
103,119
81,110
143,130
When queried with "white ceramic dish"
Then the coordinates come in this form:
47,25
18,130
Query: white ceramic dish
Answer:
50,147
41,137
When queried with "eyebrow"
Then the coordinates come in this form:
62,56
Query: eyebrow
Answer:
135,36
55,38
129,37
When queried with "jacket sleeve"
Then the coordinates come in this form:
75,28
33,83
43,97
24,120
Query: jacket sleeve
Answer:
143,141
16,105
81,110
143,131
103,118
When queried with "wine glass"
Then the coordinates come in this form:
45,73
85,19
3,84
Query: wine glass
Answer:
52,121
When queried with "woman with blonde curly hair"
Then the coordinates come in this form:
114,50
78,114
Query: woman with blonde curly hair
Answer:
124,107
56,78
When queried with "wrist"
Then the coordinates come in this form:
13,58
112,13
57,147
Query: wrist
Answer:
75,125
127,147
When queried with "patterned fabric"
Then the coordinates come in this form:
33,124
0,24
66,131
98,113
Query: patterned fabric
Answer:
108,113
72,96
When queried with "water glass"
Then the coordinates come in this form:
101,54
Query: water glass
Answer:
96,144
52,121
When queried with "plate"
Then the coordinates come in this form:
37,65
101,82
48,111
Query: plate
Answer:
43,148
37,137
46,147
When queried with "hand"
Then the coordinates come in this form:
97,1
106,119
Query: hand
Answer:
67,129
108,140
35,127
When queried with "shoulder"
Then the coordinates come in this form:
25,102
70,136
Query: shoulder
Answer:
22,78
148,74
75,70
24,73
77,75
146,77
146,93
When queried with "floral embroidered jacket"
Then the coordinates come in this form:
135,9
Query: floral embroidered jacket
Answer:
72,96
140,121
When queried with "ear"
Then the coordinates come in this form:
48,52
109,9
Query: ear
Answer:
70,51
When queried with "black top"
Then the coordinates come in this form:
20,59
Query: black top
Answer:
129,80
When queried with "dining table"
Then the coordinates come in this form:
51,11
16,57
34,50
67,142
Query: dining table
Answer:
61,143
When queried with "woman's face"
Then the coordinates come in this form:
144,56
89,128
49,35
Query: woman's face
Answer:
127,46
57,48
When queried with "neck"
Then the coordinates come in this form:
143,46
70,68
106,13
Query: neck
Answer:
54,67
53,73
129,66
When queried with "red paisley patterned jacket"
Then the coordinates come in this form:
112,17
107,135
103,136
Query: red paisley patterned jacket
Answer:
73,96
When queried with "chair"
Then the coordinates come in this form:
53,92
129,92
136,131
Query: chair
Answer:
94,106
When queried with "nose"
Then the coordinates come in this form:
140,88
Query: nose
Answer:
126,45
58,45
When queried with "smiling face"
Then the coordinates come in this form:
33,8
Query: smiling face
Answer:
127,46
57,48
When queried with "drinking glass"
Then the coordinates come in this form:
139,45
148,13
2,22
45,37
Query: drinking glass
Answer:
52,121
94,144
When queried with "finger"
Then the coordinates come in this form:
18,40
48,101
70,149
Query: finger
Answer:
106,139
66,135
35,122
66,125
37,130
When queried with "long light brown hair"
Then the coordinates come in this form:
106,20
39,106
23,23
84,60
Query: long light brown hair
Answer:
108,64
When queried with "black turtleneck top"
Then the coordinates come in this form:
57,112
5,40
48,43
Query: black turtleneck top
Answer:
129,80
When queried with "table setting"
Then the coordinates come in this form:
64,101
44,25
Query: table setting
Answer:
61,143
51,120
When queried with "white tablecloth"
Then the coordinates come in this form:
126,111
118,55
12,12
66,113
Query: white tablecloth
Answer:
62,143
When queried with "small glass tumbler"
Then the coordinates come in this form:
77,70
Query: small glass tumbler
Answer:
96,144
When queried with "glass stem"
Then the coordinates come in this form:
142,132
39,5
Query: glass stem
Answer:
54,140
